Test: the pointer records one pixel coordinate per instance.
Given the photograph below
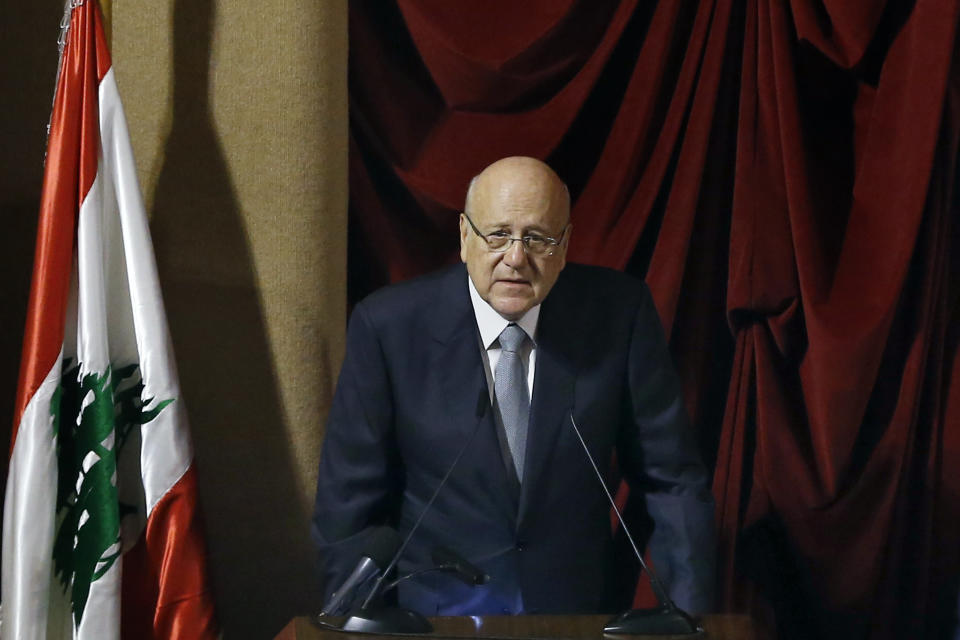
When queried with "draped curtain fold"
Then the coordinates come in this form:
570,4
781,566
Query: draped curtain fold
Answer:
783,176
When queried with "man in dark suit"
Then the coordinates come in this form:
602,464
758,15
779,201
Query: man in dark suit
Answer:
503,354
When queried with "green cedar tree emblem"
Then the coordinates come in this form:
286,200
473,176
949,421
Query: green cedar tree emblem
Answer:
93,416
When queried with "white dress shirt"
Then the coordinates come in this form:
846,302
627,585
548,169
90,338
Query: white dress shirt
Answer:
491,324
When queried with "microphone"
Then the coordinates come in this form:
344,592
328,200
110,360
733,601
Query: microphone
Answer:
394,619
380,547
667,619
448,559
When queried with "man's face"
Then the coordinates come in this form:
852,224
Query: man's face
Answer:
521,201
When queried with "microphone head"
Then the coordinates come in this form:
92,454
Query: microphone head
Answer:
381,546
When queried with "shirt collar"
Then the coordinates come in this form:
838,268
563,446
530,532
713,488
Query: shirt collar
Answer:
492,324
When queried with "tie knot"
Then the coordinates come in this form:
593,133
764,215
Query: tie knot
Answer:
512,337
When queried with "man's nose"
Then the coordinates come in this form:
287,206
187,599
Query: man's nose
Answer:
516,255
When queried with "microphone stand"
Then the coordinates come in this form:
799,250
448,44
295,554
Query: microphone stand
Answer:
396,620
667,618
392,620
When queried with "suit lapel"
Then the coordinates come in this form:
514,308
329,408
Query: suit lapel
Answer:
456,358
553,389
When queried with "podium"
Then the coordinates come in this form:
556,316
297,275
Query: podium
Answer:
526,627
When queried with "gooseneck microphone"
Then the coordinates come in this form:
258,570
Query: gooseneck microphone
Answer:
393,619
666,619
380,547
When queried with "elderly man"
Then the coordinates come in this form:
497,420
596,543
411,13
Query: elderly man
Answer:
503,355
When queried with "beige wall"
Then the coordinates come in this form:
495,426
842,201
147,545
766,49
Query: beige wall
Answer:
238,117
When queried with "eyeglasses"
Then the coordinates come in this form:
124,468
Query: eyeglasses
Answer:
534,243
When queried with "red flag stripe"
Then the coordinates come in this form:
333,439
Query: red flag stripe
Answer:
179,600
71,167
95,18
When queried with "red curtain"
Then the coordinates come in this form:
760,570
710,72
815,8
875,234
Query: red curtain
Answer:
783,175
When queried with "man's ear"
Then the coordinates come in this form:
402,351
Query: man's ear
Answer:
565,244
464,231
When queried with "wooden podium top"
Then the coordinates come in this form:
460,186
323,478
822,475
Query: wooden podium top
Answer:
554,627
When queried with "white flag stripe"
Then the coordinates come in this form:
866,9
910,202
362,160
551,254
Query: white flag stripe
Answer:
31,481
166,451
96,269
149,320
93,350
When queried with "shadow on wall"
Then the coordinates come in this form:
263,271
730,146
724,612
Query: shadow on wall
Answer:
256,529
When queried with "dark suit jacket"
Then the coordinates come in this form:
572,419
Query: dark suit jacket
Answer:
412,389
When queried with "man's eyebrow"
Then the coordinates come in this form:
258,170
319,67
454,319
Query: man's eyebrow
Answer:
540,231
534,228
550,233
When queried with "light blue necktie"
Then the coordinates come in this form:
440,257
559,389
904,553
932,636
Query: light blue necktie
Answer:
513,397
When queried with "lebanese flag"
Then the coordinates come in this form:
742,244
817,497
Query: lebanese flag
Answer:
101,527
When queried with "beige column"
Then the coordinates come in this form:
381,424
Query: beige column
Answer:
238,114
